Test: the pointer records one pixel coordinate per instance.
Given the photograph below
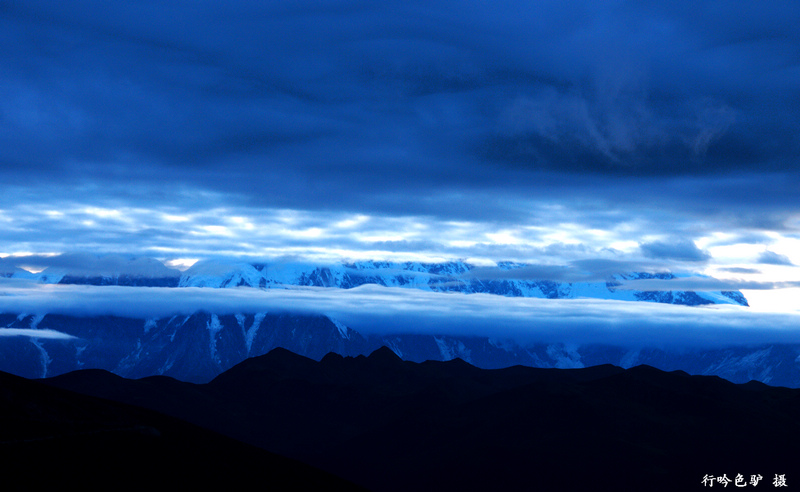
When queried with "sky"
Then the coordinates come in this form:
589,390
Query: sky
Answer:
575,137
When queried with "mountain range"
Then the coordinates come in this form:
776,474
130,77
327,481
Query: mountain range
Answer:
386,424
506,279
200,345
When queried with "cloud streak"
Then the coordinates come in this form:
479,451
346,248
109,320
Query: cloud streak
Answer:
382,310
44,334
702,284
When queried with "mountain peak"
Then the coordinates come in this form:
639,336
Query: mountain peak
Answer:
277,363
384,354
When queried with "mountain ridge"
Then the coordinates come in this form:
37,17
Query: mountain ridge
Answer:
200,346
53,437
453,426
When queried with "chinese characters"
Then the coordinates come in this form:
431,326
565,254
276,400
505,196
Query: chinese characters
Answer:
740,481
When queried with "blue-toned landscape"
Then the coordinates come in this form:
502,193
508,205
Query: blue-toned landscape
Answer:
528,235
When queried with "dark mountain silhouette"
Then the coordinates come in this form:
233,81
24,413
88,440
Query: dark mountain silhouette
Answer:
51,437
201,346
391,425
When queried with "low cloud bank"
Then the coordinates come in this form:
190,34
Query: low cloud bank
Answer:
702,284
86,264
26,332
375,309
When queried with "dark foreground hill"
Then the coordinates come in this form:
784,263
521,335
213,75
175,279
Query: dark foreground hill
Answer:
53,438
393,425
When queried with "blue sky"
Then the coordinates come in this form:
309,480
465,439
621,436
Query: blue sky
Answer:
654,135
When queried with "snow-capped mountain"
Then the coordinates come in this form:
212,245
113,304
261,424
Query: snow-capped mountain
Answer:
197,346
454,276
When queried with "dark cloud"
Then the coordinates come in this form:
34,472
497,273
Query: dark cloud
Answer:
403,245
633,119
604,269
358,92
704,284
749,271
772,258
676,249
588,270
748,237
526,272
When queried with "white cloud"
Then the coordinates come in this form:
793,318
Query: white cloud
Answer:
375,309
25,332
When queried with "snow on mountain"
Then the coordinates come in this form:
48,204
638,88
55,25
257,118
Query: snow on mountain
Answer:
194,348
454,276
217,274
200,345
507,279
14,272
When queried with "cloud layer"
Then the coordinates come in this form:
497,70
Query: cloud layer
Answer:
544,132
373,309
292,107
